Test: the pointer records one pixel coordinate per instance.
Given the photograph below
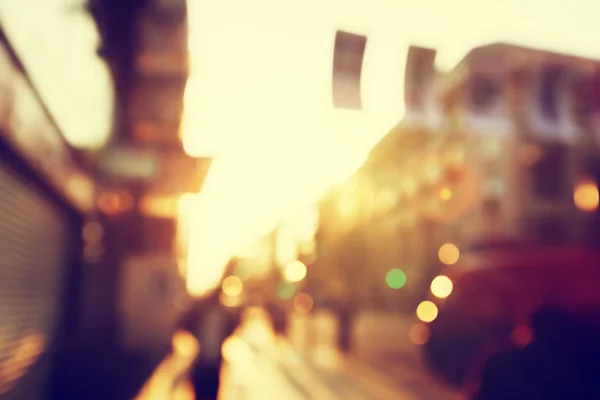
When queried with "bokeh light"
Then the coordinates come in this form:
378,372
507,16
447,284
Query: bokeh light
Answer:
232,286
427,311
285,290
441,286
185,343
395,278
522,335
303,303
419,334
586,196
446,193
449,254
92,232
295,271
230,301
115,202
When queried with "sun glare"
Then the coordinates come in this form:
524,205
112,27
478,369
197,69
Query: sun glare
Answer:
259,100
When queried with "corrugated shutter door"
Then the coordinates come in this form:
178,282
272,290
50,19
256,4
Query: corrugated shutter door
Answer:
33,244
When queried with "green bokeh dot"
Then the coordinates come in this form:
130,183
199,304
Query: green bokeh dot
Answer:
395,278
285,290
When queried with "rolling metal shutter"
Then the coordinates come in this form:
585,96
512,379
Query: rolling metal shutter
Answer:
33,257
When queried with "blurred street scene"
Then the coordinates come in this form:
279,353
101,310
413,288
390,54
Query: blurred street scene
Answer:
261,365
325,199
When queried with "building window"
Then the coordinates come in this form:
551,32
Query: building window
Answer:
581,100
549,92
484,93
549,173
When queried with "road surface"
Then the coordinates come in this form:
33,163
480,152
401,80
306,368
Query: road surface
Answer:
261,366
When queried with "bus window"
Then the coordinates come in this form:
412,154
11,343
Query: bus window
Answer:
550,230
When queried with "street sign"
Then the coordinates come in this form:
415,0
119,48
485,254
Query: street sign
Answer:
130,163
163,173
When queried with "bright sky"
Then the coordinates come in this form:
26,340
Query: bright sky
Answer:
57,42
259,96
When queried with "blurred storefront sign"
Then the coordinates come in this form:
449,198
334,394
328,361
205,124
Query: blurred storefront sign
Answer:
130,163
163,173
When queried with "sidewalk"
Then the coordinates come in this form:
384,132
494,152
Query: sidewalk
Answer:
253,370
321,372
342,377
262,366
384,364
